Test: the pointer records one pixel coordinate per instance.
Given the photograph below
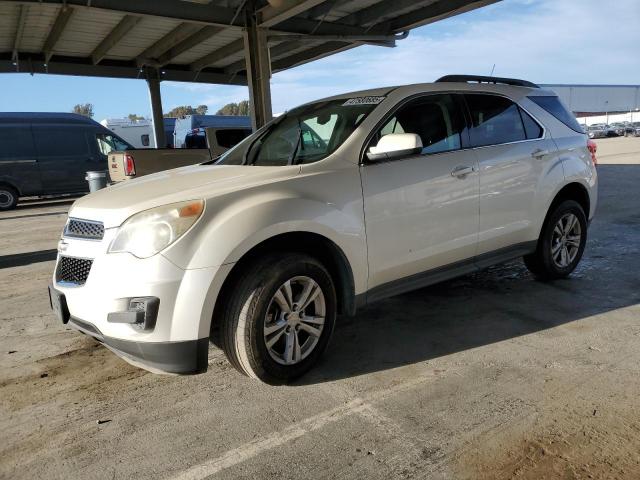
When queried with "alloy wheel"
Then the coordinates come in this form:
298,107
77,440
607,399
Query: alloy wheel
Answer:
295,320
565,240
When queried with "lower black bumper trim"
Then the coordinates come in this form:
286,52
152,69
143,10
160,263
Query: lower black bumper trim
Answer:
172,357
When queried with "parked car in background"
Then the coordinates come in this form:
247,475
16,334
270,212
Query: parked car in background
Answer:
633,129
202,145
217,139
618,128
331,206
50,153
597,131
191,123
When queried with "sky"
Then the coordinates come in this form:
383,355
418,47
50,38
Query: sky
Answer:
545,41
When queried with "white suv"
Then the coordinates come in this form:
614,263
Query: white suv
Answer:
331,206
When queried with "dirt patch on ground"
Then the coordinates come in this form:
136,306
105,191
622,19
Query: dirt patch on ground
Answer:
575,441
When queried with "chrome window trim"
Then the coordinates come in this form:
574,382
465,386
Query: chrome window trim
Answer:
395,108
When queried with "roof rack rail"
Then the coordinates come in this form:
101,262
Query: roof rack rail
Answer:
483,79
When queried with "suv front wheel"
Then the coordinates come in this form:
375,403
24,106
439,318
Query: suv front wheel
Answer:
279,318
561,242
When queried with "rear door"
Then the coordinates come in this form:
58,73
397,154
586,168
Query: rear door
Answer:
18,162
513,155
64,157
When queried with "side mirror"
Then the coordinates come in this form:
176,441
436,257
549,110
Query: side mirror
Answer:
395,145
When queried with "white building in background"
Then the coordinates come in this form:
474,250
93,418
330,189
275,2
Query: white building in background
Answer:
138,133
601,103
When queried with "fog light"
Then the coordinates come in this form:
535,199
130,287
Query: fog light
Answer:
142,313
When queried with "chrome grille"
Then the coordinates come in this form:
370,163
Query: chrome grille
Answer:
86,229
73,270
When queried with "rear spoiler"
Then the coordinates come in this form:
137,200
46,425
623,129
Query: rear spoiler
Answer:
482,79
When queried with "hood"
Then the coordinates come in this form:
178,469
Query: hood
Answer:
113,205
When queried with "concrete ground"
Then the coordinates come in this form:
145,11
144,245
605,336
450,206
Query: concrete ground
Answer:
493,375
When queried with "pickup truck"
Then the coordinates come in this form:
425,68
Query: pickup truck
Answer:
203,145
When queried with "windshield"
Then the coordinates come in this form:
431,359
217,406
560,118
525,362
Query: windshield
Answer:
303,135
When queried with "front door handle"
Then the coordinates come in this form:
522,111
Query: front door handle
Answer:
461,171
539,153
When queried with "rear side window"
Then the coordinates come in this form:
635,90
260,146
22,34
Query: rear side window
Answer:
436,119
531,127
554,106
495,120
60,142
230,137
16,143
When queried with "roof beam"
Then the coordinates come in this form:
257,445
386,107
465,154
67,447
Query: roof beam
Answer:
270,16
170,40
22,17
56,31
232,48
116,69
114,36
188,43
200,13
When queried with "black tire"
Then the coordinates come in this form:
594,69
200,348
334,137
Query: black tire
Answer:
245,313
8,197
541,263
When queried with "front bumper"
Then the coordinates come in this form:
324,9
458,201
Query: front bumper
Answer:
178,339
171,357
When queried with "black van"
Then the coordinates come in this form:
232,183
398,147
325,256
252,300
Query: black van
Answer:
50,153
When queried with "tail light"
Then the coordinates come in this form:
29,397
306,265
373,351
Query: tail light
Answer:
129,165
593,147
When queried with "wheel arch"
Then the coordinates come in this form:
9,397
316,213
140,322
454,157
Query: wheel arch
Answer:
316,245
571,191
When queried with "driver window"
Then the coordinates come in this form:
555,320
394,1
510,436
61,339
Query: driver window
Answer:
436,119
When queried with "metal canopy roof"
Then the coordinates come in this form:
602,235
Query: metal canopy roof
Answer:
197,40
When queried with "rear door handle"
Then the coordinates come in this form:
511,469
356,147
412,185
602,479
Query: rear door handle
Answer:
539,153
461,171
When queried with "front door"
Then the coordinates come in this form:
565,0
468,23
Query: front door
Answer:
421,212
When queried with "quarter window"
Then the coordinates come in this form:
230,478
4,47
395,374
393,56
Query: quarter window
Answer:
494,120
435,119
531,127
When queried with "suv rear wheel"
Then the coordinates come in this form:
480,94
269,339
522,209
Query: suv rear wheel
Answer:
561,242
279,318
8,197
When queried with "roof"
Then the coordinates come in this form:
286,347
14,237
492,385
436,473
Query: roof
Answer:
45,117
197,40
509,90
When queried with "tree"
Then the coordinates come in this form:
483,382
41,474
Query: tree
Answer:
134,117
85,109
240,108
187,110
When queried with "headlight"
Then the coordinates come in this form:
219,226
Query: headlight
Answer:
147,233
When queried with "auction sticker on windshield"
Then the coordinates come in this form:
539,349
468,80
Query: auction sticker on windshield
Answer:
363,101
